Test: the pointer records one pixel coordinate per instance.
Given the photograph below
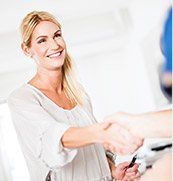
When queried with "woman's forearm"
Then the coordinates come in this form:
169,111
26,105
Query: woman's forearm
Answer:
112,136
76,137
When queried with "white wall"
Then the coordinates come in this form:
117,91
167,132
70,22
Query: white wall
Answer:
115,45
113,48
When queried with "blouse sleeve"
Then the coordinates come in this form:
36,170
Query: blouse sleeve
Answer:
39,132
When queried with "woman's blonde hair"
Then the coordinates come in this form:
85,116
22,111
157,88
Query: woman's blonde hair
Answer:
72,88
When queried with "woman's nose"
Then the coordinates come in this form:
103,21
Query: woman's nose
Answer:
54,44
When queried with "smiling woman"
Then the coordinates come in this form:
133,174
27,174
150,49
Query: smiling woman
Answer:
52,114
42,43
47,46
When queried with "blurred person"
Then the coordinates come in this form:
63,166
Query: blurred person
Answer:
145,124
166,47
155,124
150,125
53,116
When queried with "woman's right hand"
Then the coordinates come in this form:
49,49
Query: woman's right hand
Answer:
116,138
122,173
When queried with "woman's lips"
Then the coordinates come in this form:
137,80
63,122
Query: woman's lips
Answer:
54,55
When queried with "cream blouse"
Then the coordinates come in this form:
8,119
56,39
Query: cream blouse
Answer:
40,124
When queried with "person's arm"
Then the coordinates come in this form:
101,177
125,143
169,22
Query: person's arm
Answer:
154,124
44,135
161,170
113,135
76,137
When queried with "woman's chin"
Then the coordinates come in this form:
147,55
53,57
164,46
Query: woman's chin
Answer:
56,66
55,62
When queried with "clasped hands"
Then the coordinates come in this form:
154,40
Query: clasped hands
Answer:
117,136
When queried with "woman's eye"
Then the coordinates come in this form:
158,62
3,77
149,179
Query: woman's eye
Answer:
41,41
58,35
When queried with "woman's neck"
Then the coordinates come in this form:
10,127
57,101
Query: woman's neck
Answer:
48,80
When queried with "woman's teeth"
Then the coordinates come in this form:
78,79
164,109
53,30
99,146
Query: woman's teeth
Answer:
54,55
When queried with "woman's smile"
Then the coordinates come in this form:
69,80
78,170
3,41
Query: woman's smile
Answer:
55,54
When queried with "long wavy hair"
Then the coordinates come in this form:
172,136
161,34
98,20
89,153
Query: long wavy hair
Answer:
72,88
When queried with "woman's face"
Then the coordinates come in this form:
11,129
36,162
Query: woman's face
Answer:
48,46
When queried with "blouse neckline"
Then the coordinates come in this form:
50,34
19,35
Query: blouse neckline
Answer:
39,91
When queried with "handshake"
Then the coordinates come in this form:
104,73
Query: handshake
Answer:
124,133
119,134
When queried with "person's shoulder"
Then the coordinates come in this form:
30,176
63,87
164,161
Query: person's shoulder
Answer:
23,93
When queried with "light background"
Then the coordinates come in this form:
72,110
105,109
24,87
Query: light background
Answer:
115,46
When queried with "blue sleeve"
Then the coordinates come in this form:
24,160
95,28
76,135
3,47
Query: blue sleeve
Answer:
167,42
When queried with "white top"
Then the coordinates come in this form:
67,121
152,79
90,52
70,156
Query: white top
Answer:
40,124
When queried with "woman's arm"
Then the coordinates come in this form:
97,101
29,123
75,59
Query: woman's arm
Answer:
76,137
112,135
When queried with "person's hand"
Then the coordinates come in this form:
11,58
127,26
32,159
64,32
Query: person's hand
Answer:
123,173
116,138
128,121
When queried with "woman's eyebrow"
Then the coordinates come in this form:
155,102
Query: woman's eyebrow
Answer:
42,36
58,31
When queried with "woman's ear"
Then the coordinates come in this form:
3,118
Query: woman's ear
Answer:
26,50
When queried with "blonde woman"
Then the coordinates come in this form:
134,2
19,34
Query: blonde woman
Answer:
52,114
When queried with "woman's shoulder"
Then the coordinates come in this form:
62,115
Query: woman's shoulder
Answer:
24,93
